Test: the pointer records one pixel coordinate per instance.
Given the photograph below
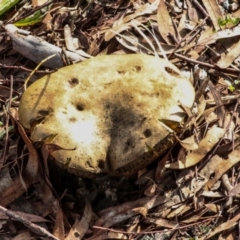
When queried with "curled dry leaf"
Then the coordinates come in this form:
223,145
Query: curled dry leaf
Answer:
223,167
189,143
228,58
212,137
107,110
80,228
210,37
150,191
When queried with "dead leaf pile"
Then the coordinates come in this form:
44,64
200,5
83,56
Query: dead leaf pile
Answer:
192,191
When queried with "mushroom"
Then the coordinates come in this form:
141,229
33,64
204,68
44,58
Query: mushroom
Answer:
108,113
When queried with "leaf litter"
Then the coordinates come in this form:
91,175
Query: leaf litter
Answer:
191,192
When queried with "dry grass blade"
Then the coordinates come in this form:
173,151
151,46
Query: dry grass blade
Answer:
144,36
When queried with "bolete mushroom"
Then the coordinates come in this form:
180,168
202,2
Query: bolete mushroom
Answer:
109,111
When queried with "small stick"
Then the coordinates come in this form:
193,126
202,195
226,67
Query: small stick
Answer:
32,226
37,67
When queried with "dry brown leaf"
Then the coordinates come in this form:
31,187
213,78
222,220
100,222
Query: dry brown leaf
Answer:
117,27
189,143
30,217
182,24
220,110
213,11
232,53
32,226
210,37
141,210
26,235
201,106
224,226
228,235
212,194
192,13
160,167
80,228
195,217
37,3
163,223
58,230
223,167
212,137
47,149
179,210
213,207
123,24
235,191
165,25
150,190
113,215
143,10
135,24
113,235
129,41
208,115
29,175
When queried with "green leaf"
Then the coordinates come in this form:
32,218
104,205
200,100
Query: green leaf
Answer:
6,5
228,20
231,88
32,19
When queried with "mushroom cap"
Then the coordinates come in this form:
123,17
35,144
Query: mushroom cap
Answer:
107,112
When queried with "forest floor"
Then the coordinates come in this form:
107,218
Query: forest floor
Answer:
191,191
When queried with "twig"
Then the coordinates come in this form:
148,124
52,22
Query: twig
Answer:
37,67
201,8
32,226
25,69
151,232
229,70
